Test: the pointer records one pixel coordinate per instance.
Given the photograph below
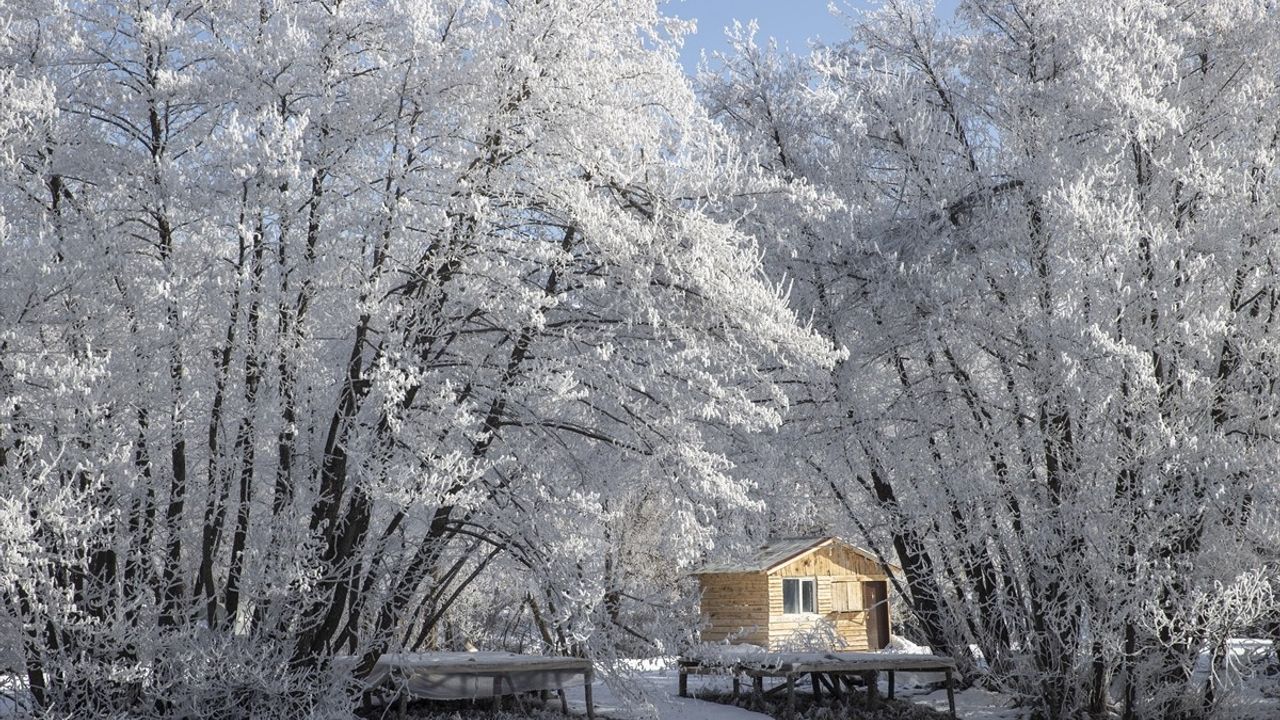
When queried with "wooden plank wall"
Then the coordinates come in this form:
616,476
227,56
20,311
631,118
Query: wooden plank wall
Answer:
850,626
833,559
829,564
737,605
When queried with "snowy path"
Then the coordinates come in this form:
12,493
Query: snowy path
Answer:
971,704
659,686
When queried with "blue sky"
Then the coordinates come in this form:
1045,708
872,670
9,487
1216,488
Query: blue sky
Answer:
792,22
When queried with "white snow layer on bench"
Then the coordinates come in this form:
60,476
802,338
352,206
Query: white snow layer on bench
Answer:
722,656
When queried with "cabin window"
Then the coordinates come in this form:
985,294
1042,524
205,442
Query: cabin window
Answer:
799,595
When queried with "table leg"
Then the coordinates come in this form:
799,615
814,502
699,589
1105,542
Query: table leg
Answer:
588,678
516,695
816,679
951,694
684,683
791,696
873,691
890,684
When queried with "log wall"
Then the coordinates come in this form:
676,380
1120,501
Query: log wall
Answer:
735,605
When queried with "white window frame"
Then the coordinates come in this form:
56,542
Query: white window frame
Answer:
800,595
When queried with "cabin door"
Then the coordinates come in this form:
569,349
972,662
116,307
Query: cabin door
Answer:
875,598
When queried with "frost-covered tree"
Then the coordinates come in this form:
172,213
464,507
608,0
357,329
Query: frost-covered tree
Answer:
314,313
1046,238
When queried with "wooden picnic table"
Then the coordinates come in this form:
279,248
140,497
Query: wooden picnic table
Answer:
462,675
835,668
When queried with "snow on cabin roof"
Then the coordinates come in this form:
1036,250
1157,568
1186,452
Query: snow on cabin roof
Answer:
777,552
769,555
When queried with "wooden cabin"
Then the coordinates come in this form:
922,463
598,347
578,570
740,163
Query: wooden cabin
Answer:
788,586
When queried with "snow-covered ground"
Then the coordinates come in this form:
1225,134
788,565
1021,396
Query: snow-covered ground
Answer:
1245,691
971,704
657,681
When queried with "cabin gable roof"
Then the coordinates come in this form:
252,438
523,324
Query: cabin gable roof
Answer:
777,553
